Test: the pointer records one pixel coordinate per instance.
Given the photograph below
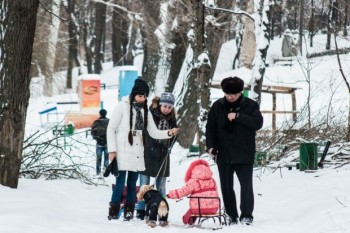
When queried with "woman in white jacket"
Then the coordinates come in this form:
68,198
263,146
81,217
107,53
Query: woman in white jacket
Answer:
126,127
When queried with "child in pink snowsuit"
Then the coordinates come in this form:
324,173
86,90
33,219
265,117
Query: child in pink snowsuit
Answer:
198,183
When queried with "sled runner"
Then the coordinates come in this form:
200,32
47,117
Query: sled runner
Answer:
219,218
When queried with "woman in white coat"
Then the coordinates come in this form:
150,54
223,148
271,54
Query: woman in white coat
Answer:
127,125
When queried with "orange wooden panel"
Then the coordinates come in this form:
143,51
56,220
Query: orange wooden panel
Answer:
81,120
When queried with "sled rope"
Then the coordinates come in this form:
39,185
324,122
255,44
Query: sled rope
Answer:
165,158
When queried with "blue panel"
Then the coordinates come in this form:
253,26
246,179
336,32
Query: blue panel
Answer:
48,110
126,82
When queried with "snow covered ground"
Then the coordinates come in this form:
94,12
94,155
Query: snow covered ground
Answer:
285,200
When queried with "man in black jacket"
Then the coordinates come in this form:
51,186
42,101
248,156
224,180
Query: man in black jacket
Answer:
98,132
230,136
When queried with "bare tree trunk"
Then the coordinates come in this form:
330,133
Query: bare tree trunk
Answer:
336,30
301,25
177,56
172,40
172,48
46,36
100,27
285,15
259,67
151,16
346,18
248,49
216,36
134,32
201,69
187,107
188,113
88,39
131,30
329,25
312,24
346,83
16,44
125,24
73,43
118,18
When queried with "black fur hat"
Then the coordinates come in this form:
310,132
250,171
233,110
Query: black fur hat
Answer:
140,87
232,85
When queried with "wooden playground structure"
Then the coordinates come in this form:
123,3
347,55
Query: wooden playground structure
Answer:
274,90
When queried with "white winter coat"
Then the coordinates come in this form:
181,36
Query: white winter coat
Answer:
130,158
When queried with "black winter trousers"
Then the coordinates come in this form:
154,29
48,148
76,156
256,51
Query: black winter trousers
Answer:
244,174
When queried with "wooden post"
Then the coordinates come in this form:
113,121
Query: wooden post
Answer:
294,106
273,113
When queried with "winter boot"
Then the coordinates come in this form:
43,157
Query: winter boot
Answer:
163,223
113,212
129,211
248,220
140,214
152,223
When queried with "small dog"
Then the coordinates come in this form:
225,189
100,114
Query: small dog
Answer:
156,206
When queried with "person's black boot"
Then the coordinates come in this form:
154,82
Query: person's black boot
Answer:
140,214
129,211
231,220
113,211
248,220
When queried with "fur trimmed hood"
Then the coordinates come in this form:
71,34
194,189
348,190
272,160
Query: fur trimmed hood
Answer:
199,169
155,102
155,106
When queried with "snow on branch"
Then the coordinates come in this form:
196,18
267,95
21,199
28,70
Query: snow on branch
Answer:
117,6
237,12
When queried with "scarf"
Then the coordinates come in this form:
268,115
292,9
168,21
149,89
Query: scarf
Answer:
139,124
163,121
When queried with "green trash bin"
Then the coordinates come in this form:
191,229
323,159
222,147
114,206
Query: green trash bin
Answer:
193,150
260,158
308,156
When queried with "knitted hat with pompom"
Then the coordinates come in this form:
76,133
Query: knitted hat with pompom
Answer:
167,99
140,87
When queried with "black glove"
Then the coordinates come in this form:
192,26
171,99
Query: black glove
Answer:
112,168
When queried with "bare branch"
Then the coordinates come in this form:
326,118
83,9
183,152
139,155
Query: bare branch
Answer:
50,12
340,202
58,156
236,12
116,6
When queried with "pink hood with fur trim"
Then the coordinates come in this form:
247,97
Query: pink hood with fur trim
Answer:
198,169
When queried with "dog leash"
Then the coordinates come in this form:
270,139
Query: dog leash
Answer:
165,158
